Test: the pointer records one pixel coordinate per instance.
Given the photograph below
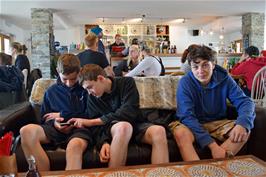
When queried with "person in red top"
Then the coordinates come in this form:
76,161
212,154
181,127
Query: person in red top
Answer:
249,66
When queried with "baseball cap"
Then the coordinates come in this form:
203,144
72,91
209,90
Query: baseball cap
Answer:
96,30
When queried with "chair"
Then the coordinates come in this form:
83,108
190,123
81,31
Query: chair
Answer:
258,90
25,74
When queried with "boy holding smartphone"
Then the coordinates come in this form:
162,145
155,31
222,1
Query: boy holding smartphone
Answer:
113,103
62,101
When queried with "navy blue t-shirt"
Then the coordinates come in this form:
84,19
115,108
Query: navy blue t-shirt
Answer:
22,62
92,57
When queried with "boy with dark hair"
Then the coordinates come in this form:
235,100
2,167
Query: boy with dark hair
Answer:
251,52
201,108
247,67
5,59
114,103
62,101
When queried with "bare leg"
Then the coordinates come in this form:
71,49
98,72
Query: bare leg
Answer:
184,139
74,152
31,138
228,145
121,133
155,135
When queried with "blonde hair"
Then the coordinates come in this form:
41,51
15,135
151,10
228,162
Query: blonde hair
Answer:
17,46
133,48
90,39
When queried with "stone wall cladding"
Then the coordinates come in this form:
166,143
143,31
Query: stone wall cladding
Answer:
253,26
42,30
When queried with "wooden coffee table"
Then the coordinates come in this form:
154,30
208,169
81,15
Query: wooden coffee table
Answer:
247,165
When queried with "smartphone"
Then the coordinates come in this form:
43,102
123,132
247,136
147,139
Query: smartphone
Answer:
65,123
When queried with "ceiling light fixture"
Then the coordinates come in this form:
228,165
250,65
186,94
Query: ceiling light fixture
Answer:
123,20
178,20
211,32
142,18
201,32
222,34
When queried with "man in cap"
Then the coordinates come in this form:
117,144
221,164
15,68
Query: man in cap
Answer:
98,31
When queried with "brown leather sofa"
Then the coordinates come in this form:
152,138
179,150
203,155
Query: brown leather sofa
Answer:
157,95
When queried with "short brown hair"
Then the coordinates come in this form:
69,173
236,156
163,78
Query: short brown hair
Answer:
185,54
90,39
203,52
90,72
68,63
5,59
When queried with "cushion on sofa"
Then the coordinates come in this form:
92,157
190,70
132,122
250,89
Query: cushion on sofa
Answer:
38,90
155,92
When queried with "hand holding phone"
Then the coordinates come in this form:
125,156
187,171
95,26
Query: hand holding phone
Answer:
65,123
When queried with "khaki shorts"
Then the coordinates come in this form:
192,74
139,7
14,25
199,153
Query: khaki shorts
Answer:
218,129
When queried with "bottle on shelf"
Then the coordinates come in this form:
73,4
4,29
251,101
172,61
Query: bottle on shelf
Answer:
33,171
148,30
161,47
174,49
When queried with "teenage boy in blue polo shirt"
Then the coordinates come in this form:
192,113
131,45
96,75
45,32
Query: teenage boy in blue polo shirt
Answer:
62,101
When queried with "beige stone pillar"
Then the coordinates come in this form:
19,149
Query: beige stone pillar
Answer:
253,30
42,39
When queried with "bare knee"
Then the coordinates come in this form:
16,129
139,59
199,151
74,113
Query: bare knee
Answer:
76,145
183,136
157,134
122,129
29,133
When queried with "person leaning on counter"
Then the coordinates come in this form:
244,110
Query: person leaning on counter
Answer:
117,46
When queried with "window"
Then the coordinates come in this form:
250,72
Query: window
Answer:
4,44
0,44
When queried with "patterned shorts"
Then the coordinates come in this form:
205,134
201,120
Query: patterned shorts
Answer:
218,129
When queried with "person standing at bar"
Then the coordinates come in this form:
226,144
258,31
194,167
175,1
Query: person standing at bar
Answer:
98,32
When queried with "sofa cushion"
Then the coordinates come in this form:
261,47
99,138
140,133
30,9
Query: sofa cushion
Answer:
155,92
38,90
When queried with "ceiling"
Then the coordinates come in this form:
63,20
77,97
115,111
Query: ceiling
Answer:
197,13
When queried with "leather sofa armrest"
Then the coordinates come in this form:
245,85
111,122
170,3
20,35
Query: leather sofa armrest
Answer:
256,144
257,140
13,117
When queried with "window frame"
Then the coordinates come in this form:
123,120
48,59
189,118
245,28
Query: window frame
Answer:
2,39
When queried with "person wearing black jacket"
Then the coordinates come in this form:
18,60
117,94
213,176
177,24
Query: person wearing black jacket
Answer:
114,103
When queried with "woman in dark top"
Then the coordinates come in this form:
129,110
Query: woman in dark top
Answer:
22,61
127,65
18,52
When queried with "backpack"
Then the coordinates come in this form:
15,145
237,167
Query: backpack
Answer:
11,79
35,74
162,66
